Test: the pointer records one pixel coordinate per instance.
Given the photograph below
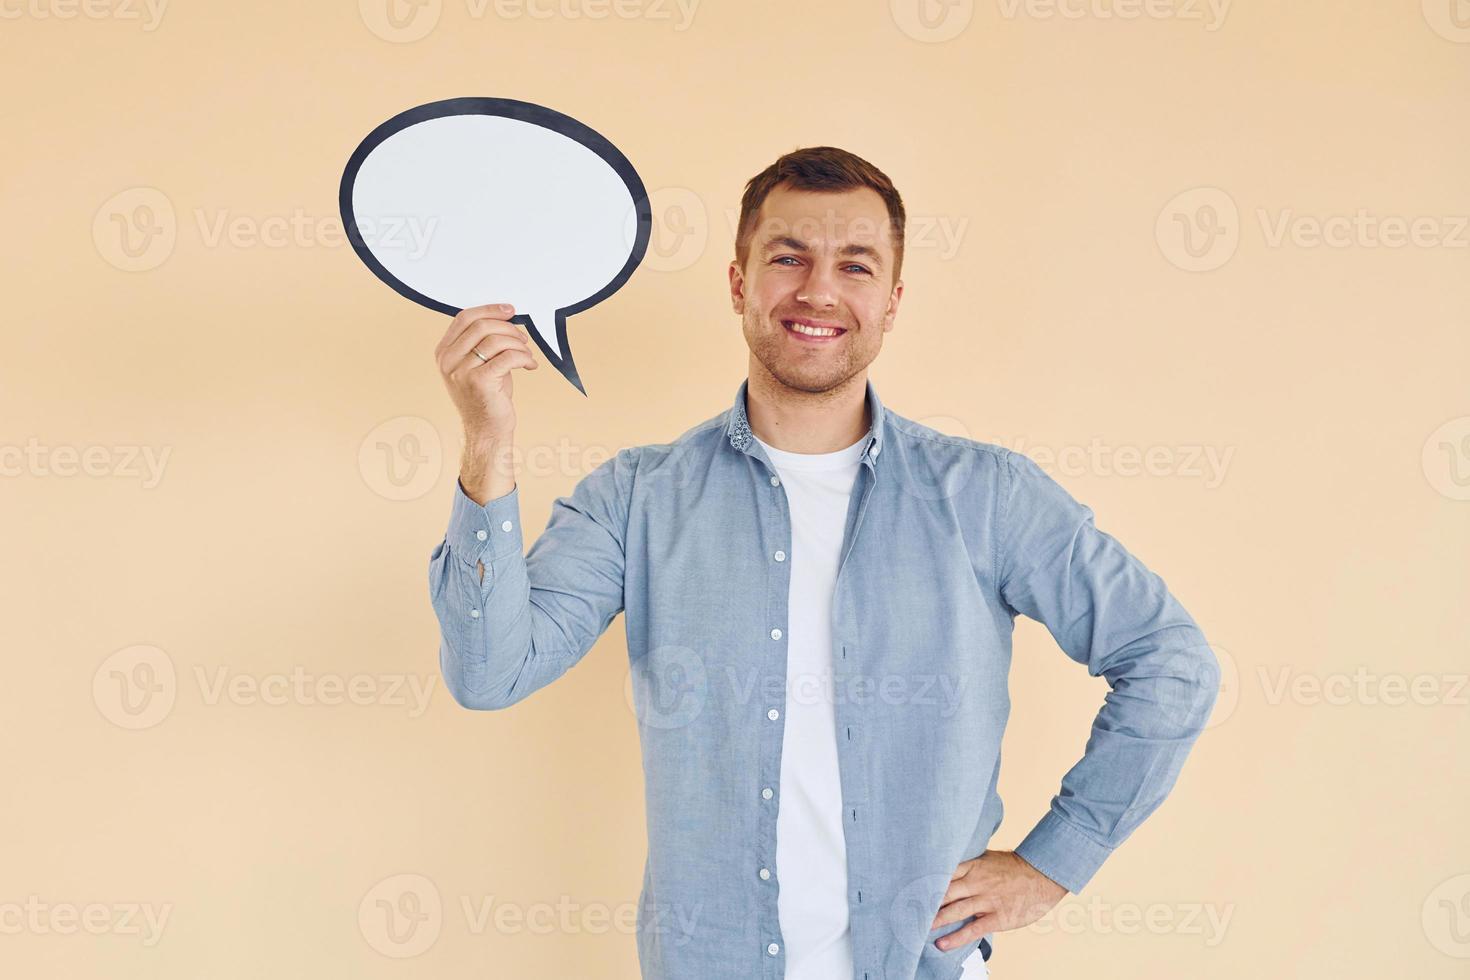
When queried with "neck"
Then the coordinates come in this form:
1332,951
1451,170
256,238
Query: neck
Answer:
806,421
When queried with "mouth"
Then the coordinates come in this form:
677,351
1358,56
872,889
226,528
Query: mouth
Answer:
812,331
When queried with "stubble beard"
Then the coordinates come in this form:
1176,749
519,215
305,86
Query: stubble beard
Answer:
766,344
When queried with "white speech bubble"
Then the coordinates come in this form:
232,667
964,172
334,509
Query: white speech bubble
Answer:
479,200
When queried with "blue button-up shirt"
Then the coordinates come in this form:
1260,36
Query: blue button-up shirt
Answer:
947,539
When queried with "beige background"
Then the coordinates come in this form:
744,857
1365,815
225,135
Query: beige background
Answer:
160,755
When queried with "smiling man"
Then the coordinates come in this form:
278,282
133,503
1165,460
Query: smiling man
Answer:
819,597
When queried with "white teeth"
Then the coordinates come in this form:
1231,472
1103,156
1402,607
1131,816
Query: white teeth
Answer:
813,331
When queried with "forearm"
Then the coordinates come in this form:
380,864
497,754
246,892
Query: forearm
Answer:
1109,612
512,621
487,471
480,592
1163,687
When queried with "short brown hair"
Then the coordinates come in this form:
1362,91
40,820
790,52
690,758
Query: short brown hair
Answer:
819,168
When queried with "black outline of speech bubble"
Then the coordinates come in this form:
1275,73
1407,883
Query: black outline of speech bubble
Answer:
525,112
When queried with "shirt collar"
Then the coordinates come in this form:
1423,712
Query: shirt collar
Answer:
738,426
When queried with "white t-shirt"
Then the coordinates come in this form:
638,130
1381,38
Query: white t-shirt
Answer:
811,850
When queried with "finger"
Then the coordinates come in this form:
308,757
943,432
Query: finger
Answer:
478,330
962,870
468,315
968,933
503,362
962,909
493,345
479,338
960,888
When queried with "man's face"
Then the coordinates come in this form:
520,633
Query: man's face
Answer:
818,259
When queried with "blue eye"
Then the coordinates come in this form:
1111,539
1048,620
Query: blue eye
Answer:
860,268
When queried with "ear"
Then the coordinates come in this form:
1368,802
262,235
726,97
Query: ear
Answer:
737,287
891,314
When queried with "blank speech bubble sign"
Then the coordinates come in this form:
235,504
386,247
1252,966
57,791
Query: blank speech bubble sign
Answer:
479,200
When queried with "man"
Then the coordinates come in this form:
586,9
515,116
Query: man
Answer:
819,597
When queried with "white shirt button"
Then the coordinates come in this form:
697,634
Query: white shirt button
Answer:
773,714
775,634
474,614
773,949
775,481
481,535
505,526
765,874
766,793
780,556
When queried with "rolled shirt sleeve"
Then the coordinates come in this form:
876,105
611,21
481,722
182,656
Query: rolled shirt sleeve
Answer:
1109,612
533,615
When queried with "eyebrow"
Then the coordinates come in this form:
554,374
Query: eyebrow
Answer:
797,245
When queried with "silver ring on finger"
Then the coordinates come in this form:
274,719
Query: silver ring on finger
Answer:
476,351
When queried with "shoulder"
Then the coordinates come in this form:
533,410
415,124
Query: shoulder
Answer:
926,439
698,440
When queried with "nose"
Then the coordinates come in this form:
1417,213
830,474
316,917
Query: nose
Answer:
819,289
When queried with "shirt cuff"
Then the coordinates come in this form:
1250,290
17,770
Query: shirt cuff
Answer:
1066,855
485,534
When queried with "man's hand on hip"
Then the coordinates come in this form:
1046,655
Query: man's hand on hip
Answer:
1000,890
